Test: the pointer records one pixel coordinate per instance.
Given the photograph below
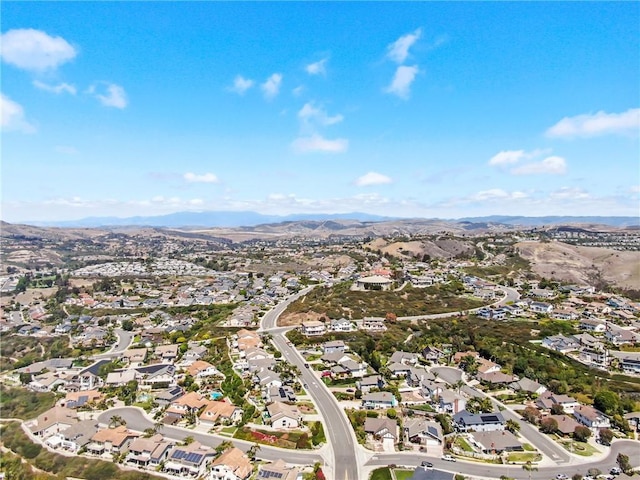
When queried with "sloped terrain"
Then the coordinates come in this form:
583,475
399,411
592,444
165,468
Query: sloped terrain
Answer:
570,263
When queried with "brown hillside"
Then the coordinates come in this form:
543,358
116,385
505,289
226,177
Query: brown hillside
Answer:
564,262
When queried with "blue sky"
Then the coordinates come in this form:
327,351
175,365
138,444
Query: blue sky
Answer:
420,109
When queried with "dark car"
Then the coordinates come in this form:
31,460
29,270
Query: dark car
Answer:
426,464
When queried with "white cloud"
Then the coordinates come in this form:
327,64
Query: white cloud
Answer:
317,68
309,113
57,89
204,178
553,165
298,91
113,95
241,85
12,116
510,157
507,157
372,178
398,51
31,49
271,87
601,123
402,80
317,143
635,189
497,194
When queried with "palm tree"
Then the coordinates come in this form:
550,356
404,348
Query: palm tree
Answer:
116,420
529,467
459,384
224,446
251,453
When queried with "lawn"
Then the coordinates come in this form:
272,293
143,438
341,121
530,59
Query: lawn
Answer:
524,457
579,448
463,444
403,474
229,431
381,474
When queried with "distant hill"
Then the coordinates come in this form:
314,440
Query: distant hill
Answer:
231,219
209,219
556,220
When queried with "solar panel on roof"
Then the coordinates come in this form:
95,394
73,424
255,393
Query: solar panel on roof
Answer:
177,454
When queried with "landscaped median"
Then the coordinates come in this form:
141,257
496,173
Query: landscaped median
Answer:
295,439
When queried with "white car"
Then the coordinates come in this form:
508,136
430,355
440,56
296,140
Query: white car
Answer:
561,476
448,458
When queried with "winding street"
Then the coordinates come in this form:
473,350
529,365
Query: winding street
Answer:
138,421
344,459
340,436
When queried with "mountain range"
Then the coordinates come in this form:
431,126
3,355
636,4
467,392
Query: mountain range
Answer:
247,219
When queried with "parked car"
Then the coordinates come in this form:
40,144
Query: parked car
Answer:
615,471
448,458
426,464
561,476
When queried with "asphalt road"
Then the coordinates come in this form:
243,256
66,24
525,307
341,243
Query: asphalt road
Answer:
137,421
627,447
124,340
543,443
340,436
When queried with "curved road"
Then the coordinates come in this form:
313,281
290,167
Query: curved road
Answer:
627,447
139,422
340,435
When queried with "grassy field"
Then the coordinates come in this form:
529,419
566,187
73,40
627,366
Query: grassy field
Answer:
381,474
340,301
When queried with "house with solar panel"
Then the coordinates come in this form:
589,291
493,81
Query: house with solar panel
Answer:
189,460
479,422
278,470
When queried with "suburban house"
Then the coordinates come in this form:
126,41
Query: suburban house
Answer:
432,354
479,422
189,403
217,412
496,442
155,376
282,415
365,384
628,362
341,325
134,357
232,464
280,394
85,380
201,369
541,307
333,346
528,386
375,324
548,399
566,424
167,353
590,417
75,437
278,470
451,402
382,429
80,399
423,432
148,452
189,460
312,327
54,420
379,400
111,440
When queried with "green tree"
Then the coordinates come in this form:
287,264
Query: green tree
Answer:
606,436
513,426
548,425
607,401
581,433
529,467
624,463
